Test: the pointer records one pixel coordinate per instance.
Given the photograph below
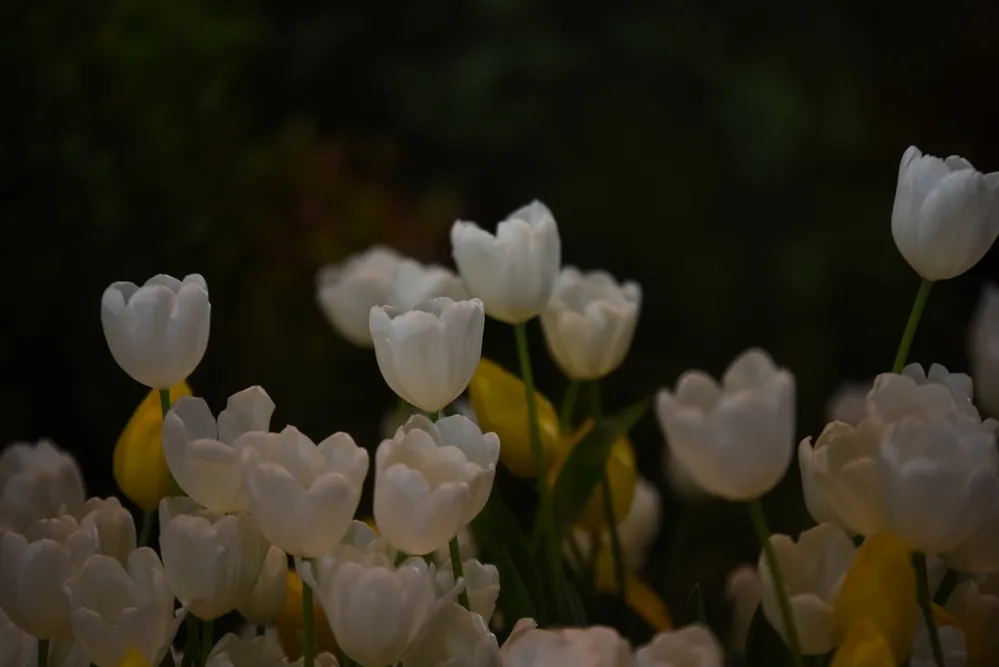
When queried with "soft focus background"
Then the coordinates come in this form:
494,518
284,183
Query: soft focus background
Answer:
737,159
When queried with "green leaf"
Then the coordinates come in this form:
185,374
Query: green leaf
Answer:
695,606
572,611
764,646
584,467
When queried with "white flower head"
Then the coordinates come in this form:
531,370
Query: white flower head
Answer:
37,482
513,272
595,646
929,397
690,646
113,525
979,552
482,584
157,333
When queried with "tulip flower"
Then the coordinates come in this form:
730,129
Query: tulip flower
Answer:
744,590
864,646
636,531
482,583
37,482
232,651
17,647
267,597
113,526
974,605
596,646
693,645
454,636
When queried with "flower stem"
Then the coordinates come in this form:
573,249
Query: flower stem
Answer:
458,568
910,327
926,604
43,652
608,498
434,416
192,645
207,637
787,615
946,587
308,628
568,406
148,519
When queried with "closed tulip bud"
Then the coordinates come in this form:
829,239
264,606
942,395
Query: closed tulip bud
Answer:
816,565
113,525
482,583
379,276
431,480
735,440
693,645
157,333
984,349
595,646
139,466
34,568
204,455
500,404
946,216
37,482
17,647
266,599
231,651
429,354
115,607
290,623
304,495
744,590
454,637
590,322
212,561
513,272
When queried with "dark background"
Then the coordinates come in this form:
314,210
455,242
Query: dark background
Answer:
737,159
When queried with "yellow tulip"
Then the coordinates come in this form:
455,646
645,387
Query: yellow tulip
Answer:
500,404
139,466
621,473
289,622
864,646
880,589
640,597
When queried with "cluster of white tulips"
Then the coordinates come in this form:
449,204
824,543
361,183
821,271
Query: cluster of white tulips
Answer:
903,566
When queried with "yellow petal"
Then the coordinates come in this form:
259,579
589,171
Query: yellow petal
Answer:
864,646
880,588
290,623
500,404
139,467
640,597
980,653
134,659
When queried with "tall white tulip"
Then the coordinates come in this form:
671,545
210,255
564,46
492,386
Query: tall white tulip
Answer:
734,440
204,455
454,637
212,561
590,322
379,276
304,495
266,600
946,216
431,480
113,525
37,482
157,333
513,272
115,608
984,349
429,354
691,646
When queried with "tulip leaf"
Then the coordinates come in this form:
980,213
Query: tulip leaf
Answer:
584,467
763,645
695,606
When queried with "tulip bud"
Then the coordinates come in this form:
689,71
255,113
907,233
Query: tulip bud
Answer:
744,590
37,482
693,645
267,598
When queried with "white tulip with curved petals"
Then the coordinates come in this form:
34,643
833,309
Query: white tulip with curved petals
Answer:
37,482
482,584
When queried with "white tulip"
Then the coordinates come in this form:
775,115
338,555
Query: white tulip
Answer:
744,590
431,480
17,647
482,583
157,333
640,526
975,605
945,216
979,552
37,482
429,354
595,646
34,568
590,322
304,495
204,455
266,599
691,646
936,481
212,561
378,276
985,349
513,272
952,642
937,396
454,637
813,570
116,608
849,403
735,440
231,651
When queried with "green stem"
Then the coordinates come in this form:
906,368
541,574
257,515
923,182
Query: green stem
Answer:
207,639
308,628
458,568
787,615
926,604
192,645
148,520
910,327
568,407
595,410
434,416
401,411
43,652
946,587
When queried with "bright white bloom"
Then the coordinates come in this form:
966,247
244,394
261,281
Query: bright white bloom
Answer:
975,604
113,525
157,333
376,609
116,608
590,322
454,637
985,349
595,646
231,651
204,455
379,276
744,590
212,561
945,216
304,495
37,482
17,647
813,570
979,553
431,480
952,641
513,272
482,583
849,403
429,354
266,599
34,568
735,440
936,481
691,646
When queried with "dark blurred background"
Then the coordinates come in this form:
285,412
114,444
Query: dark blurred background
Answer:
737,159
